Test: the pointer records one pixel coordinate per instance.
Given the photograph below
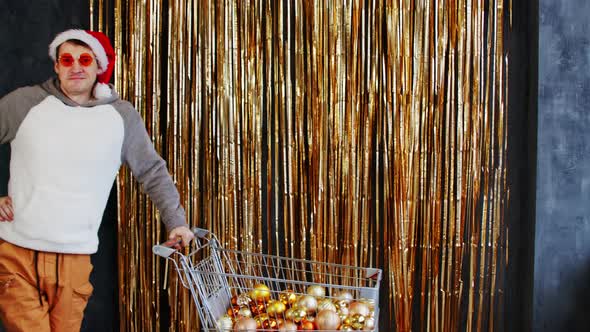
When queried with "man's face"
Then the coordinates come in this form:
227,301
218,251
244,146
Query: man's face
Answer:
76,79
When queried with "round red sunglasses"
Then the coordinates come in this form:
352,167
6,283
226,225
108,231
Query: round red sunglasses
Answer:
67,60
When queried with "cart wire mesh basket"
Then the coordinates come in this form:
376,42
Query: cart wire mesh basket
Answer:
241,291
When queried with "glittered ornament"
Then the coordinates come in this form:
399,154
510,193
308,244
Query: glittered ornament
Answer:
369,324
347,320
270,324
345,327
225,323
344,296
288,327
342,316
358,321
295,314
245,324
243,300
343,309
263,321
307,325
369,302
245,312
308,302
326,304
257,308
234,300
359,308
327,320
317,291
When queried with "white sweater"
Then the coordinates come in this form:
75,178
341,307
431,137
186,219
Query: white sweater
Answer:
64,160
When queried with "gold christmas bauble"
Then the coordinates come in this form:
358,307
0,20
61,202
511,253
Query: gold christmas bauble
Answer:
245,324
243,300
342,316
261,320
245,312
260,293
275,308
288,297
233,311
290,313
344,296
369,324
225,323
257,308
308,302
316,290
359,308
327,320
270,324
288,327
326,304
300,314
342,309
369,302
358,321
307,325
347,320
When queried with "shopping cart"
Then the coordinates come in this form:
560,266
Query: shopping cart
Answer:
278,293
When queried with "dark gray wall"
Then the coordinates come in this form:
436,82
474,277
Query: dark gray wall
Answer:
26,29
562,237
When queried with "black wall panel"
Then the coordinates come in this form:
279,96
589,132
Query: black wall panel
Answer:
26,29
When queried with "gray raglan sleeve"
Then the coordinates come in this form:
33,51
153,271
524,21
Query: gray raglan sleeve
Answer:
150,170
14,107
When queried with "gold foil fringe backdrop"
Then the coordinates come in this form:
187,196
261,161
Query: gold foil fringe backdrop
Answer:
368,133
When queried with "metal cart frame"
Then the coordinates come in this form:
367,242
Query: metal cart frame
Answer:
214,275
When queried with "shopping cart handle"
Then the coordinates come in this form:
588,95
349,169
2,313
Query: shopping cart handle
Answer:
201,233
163,250
168,248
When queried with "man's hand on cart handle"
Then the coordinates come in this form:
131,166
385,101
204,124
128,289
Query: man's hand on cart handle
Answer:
180,237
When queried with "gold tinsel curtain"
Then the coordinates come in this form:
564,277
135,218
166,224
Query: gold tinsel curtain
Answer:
368,133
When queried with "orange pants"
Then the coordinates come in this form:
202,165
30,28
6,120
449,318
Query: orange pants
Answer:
50,296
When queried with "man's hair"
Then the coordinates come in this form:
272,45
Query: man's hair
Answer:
71,41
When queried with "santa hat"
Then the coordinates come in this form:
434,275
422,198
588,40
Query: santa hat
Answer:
101,46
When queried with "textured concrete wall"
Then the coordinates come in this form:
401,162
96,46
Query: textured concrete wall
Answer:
562,237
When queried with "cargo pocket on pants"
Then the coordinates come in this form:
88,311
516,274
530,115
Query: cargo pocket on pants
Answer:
6,281
7,278
83,292
80,296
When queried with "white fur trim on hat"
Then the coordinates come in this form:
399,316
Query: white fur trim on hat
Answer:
102,90
97,49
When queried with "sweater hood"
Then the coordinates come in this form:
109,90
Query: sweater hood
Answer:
52,87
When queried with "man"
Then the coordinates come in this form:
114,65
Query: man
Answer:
69,137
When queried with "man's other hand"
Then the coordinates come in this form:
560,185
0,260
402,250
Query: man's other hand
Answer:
182,232
6,213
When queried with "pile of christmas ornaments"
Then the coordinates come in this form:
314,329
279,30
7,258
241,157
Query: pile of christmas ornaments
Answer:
261,309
